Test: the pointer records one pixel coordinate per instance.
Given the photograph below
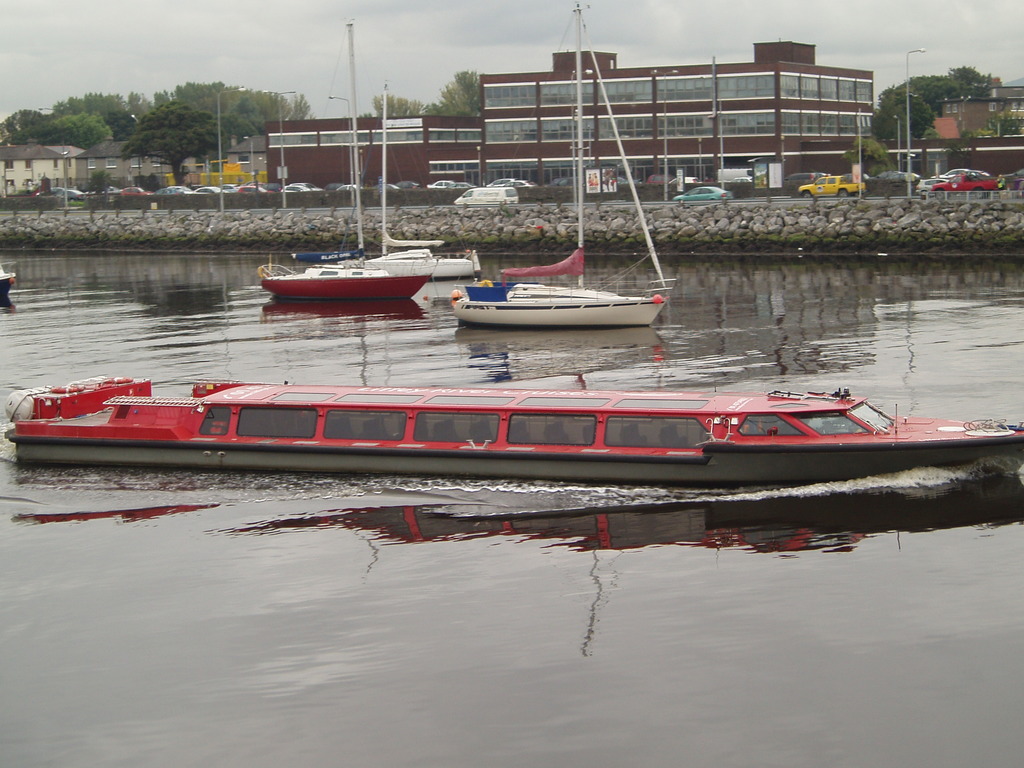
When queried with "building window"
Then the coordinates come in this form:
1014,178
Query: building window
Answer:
791,123
498,96
751,123
564,93
336,139
847,90
560,129
629,127
809,125
625,91
511,130
685,89
111,162
863,90
789,87
847,125
746,87
829,125
829,89
686,125
809,87
90,163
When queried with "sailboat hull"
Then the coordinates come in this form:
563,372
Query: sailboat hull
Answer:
299,286
569,312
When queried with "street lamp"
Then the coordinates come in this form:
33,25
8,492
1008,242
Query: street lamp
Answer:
282,172
220,150
352,137
664,131
907,88
65,152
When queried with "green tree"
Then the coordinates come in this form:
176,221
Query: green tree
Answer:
1004,123
397,106
873,154
172,133
80,130
891,114
461,96
24,126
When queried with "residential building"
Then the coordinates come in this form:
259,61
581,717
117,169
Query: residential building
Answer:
24,166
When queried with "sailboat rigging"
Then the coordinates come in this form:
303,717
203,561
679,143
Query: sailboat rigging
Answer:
527,304
331,280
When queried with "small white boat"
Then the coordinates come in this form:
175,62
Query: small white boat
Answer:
419,259
6,281
532,305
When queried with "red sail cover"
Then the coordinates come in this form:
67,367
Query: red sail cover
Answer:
570,266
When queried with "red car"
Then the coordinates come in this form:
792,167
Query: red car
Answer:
135,191
967,182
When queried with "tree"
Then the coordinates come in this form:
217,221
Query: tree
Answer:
1004,124
172,133
461,96
397,106
892,114
873,154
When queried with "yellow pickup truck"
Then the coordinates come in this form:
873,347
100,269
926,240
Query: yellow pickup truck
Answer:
835,186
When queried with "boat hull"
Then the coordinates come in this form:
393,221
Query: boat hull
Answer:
715,465
437,268
359,288
558,314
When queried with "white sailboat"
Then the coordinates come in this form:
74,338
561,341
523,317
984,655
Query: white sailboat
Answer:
527,304
330,280
417,257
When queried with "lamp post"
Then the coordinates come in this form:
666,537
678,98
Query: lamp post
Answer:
907,88
64,152
282,172
664,131
220,150
352,136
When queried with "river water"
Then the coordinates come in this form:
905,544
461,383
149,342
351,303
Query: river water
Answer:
170,618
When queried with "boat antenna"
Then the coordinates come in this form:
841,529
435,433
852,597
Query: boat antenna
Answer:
357,176
384,174
622,154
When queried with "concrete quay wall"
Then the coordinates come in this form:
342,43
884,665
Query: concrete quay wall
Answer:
864,227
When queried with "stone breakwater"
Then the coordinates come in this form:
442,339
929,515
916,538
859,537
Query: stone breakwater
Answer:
857,226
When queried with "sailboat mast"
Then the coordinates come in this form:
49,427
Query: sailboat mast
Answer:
579,127
651,250
358,180
384,175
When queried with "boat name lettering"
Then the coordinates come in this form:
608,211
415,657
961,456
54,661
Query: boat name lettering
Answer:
739,404
244,392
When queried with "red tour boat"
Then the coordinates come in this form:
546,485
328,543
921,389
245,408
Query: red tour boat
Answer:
688,438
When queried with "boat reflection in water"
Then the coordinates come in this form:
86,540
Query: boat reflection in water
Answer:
775,521
510,355
384,309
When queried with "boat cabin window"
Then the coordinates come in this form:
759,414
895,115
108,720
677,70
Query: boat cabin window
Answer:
364,425
565,402
469,400
767,424
551,429
456,427
254,421
376,397
654,432
650,405
871,415
215,421
831,423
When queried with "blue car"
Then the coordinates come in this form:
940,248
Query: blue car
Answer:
704,195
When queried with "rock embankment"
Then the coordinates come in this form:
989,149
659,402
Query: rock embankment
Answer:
856,226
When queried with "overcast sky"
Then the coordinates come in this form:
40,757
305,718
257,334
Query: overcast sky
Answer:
416,46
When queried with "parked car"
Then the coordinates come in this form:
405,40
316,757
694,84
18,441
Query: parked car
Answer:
174,190
704,195
448,184
407,184
834,186
924,186
228,188
70,194
135,191
337,186
967,182
511,183
803,178
303,186
207,190
659,179
900,176
562,181
957,171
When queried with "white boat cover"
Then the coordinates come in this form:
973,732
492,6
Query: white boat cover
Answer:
391,242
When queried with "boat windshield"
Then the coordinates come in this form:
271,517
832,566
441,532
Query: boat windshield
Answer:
872,416
831,423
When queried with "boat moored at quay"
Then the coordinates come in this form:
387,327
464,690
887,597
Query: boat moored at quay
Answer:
637,437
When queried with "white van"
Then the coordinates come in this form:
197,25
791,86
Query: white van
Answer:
488,196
